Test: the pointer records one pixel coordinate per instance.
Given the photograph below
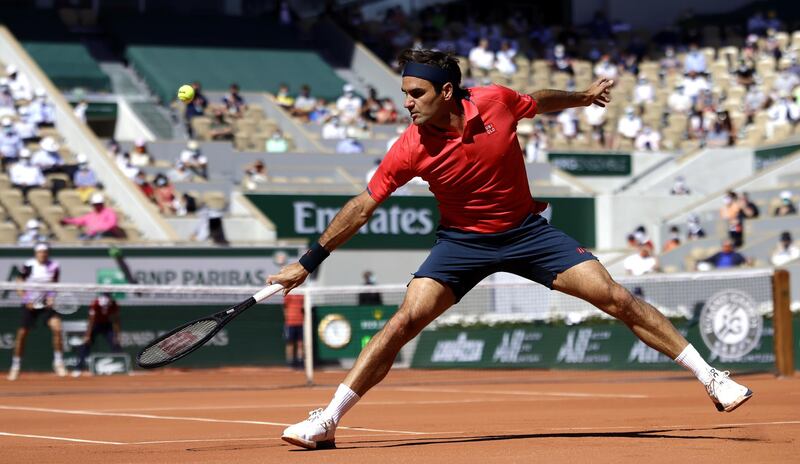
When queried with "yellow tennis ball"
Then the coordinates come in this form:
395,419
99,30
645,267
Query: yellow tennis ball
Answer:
186,93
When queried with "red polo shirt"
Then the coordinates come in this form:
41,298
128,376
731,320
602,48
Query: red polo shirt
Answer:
479,177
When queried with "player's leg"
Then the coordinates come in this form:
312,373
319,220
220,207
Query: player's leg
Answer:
591,282
54,322
28,321
425,300
298,345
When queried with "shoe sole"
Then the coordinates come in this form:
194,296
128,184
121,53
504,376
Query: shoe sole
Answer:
742,400
309,444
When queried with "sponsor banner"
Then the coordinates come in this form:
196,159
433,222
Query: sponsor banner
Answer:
159,265
109,363
341,332
254,338
602,345
401,222
592,164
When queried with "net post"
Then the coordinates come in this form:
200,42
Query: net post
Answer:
308,336
782,323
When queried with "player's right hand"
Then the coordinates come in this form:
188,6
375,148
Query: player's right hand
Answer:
291,276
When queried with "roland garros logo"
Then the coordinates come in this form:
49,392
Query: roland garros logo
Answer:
730,324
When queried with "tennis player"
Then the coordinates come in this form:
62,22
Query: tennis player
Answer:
103,321
36,304
464,144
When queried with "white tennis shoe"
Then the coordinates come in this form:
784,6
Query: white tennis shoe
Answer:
59,369
316,432
726,394
13,374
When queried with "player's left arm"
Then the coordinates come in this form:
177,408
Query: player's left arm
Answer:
550,100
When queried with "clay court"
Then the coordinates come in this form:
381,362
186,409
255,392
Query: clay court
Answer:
237,415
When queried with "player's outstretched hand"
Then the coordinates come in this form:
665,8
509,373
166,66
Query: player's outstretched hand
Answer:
290,277
599,92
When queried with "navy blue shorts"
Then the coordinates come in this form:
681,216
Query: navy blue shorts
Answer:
293,333
534,250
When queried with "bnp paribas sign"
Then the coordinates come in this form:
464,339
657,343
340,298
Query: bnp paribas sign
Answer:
403,222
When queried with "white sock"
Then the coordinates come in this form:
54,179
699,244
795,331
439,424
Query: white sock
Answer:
342,401
58,357
691,360
15,362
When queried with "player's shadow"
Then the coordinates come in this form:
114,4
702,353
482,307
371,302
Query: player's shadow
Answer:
666,433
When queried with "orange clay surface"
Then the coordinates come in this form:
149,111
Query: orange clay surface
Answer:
236,415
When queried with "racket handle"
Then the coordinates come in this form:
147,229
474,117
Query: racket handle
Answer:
267,292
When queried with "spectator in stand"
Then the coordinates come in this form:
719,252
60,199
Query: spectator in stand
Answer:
781,113
749,209
606,68
643,93
725,258
369,298
648,140
640,263
164,194
234,102
568,122
349,145
293,309
43,112
642,238
277,143
19,84
196,107
731,213
320,112
757,24
669,63
103,320
746,68
32,234
481,58
694,230
7,104
536,148
255,175
304,103
560,61
139,155
596,118
786,206
505,60
10,143
718,136
47,158
282,98
628,126
695,61
80,110
124,164
680,187
193,159
785,250
140,179
387,114
754,101
333,129
694,85
84,179
674,240
785,81
349,104
24,175
370,108
101,222
179,173
678,101
27,130
220,128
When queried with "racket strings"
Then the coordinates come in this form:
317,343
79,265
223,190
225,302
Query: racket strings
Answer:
178,343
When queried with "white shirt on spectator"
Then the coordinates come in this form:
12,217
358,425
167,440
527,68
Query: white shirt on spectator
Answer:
27,174
26,129
333,130
482,58
679,102
349,106
187,157
643,93
569,126
648,139
637,265
606,69
140,159
629,126
695,61
304,103
46,159
42,111
784,255
595,115
21,87
693,86
505,61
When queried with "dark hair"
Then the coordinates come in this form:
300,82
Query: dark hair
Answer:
446,61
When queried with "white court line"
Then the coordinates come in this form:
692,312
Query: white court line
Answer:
45,437
81,412
677,426
521,393
314,405
196,440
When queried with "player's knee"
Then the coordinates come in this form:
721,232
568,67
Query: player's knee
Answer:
400,327
620,302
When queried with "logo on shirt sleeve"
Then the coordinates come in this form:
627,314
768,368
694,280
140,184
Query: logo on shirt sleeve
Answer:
490,128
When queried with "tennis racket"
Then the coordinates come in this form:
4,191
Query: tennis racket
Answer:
183,340
65,303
